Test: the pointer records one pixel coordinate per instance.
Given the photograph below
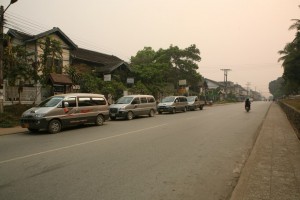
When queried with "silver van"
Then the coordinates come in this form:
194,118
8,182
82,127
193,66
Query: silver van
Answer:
131,106
172,104
65,110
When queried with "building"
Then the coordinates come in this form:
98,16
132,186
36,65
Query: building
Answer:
58,81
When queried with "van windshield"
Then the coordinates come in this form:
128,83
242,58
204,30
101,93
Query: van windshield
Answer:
124,100
168,99
51,102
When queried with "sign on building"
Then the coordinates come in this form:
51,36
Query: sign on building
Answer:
182,82
130,80
107,77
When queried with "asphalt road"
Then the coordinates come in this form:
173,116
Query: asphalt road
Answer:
192,155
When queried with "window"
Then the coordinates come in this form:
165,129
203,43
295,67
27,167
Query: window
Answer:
151,99
143,100
183,99
71,101
51,102
136,101
54,65
94,101
84,101
98,101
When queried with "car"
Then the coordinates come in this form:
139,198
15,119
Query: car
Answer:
172,104
194,103
65,110
130,106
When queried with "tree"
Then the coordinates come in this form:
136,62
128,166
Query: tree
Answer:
139,88
89,82
17,66
182,64
276,87
291,62
156,69
51,59
148,71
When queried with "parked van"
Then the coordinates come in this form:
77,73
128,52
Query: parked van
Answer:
64,110
131,106
172,104
194,103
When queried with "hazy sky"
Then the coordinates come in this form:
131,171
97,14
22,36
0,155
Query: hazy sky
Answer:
242,35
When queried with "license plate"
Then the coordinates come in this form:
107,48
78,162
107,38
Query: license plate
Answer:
113,114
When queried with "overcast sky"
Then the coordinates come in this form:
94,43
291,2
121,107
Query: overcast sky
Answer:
242,35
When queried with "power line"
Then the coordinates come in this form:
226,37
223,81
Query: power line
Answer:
27,26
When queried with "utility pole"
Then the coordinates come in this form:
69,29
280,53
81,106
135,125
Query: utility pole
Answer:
1,59
225,79
2,92
248,84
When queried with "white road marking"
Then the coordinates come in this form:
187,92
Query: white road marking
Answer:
79,144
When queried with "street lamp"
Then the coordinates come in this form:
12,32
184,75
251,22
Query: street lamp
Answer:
2,11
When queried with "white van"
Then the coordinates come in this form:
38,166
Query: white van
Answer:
131,106
65,110
172,104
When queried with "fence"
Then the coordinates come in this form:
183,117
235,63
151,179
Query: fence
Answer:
293,115
29,95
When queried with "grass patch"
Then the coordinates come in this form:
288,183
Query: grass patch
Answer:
293,102
11,115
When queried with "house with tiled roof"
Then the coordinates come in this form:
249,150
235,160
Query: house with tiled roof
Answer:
91,61
33,48
31,42
99,63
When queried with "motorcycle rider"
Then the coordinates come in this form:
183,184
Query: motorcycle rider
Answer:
248,103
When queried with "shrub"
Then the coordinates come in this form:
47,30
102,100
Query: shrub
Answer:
11,115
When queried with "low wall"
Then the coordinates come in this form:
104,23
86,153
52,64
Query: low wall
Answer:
293,115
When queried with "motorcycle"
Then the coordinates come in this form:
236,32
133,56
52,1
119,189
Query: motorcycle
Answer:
247,108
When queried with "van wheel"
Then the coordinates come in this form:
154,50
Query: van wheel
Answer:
201,107
54,126
151,114
173,110
99,120
129,115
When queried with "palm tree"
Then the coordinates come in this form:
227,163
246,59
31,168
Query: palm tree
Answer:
291,61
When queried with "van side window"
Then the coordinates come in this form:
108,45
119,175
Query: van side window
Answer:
98,101
143,100
84,101
182,99
71,101
136,101
151,100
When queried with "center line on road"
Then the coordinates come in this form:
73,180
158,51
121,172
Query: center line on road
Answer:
79,144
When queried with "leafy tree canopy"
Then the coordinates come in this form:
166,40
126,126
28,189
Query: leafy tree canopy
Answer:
17,64
50,58
276,87
291,62
155,69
